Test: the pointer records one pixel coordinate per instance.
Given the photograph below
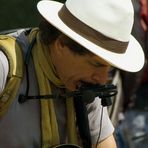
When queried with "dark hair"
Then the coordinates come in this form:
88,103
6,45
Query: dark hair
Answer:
49,33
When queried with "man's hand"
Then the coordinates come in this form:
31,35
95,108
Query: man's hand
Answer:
109,142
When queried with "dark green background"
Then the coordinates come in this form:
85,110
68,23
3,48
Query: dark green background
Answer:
19,14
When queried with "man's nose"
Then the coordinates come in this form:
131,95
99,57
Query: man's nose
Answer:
100,78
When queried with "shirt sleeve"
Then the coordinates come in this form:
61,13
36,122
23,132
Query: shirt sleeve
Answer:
4,68
94,116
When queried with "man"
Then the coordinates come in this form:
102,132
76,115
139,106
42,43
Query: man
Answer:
84,40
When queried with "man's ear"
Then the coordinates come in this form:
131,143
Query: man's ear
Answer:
58,46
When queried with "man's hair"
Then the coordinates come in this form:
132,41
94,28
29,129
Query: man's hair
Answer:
49,34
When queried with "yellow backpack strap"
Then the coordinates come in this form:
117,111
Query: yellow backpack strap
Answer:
14,54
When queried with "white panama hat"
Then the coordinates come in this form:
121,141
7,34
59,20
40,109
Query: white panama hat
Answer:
101,26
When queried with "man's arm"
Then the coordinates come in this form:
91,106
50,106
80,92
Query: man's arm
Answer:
144,14
109,142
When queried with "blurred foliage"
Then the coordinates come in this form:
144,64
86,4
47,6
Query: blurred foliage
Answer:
19,14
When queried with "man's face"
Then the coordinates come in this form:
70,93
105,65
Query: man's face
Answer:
73,69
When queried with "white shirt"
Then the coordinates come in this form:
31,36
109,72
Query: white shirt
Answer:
4,66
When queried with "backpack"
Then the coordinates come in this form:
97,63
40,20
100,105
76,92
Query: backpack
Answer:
12,48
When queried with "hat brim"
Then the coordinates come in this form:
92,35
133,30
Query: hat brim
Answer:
132,60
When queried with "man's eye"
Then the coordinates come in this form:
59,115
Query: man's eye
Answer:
97,65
